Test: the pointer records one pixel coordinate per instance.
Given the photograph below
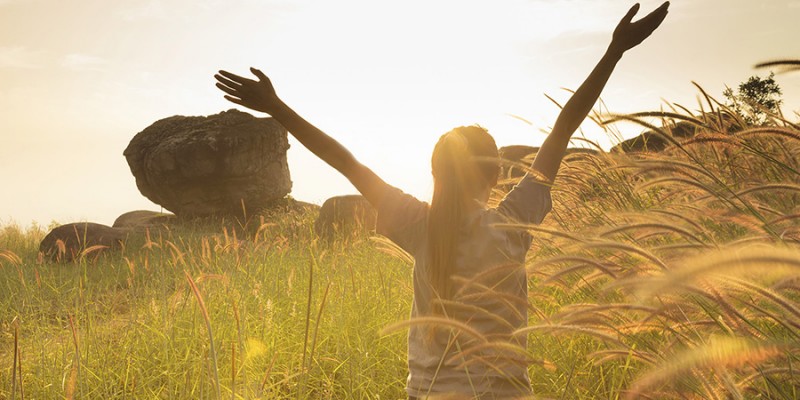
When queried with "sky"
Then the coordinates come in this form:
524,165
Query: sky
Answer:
79,78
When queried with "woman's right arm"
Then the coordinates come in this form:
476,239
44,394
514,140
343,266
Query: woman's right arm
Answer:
260,96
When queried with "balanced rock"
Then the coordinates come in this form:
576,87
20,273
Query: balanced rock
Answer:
68,242
140,220
345,214
230,163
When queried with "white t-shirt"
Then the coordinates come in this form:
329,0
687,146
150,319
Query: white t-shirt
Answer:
490,295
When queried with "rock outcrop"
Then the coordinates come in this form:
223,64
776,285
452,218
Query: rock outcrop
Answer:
231,163
680,131
653,141
345,214
68,242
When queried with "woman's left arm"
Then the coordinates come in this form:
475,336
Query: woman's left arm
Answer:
626,36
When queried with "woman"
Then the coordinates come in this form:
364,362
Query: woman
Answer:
470,288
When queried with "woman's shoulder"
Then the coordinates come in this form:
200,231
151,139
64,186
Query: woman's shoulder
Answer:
402,218
528,202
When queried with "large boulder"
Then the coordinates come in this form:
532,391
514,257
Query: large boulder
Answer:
68,242
345,215
231,163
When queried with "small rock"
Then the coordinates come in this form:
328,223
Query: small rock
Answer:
67,242
515,160
343,214
141,220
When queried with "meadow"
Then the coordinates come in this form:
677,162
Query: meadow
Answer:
668,275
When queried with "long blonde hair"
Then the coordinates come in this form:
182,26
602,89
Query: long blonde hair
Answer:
464,163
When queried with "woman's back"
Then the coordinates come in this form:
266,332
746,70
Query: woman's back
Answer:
489,295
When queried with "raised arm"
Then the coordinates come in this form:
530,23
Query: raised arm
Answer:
626,36
260,96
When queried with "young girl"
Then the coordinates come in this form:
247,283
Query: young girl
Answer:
470,287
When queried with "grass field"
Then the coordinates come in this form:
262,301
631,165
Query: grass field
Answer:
668,275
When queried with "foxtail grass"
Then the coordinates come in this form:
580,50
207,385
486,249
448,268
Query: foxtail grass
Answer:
209,331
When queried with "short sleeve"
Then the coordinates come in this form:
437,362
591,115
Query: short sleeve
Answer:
402,218
528,202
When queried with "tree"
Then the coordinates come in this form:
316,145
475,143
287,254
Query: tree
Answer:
755,99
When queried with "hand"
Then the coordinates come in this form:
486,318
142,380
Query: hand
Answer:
256,95
628,35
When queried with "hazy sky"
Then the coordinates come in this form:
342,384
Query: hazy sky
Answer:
79,78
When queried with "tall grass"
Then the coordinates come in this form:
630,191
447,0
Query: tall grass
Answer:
658,275
137,332
674,274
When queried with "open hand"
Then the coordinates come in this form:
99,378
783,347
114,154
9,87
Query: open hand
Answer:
629,34
256,95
